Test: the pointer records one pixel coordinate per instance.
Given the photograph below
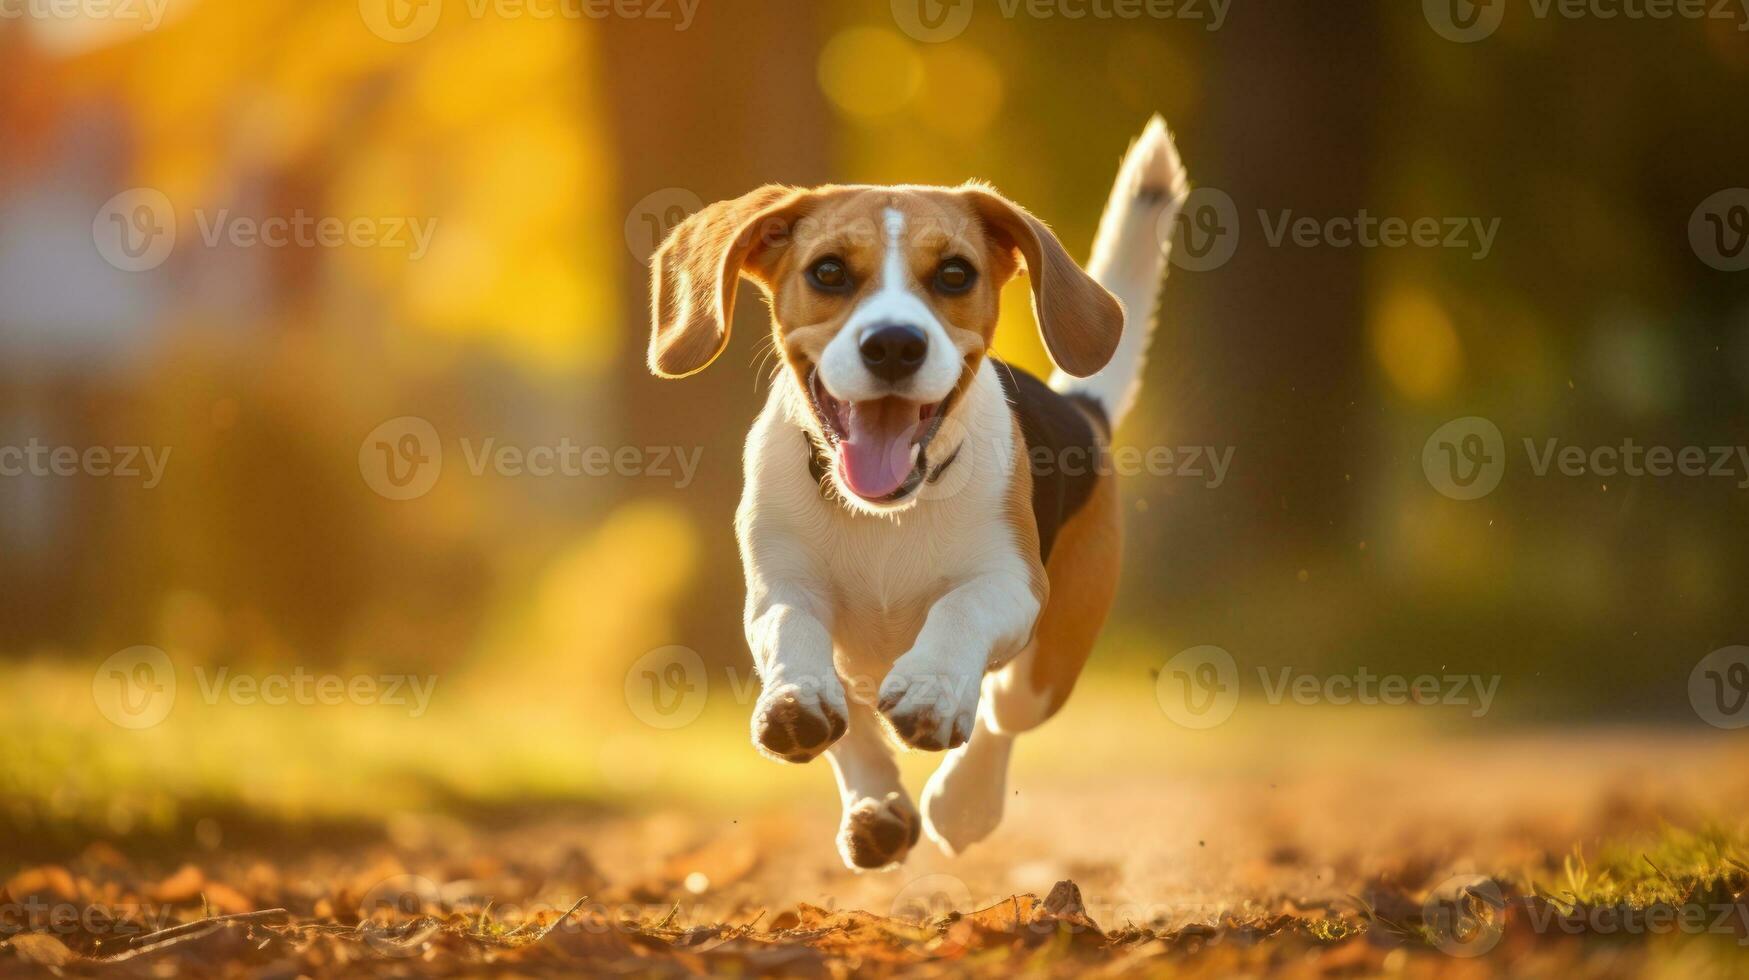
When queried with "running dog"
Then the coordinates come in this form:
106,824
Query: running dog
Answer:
930,546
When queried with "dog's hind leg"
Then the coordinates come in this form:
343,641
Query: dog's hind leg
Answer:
963,802
880,824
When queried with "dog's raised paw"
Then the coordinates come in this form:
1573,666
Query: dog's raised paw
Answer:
879,833
796,723
933,710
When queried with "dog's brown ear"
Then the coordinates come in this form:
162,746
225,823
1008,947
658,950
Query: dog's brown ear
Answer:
1080,320
694,275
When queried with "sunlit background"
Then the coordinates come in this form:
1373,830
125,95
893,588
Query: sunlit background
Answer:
545,155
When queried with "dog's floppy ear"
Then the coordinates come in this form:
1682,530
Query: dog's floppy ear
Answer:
695,272
1080,320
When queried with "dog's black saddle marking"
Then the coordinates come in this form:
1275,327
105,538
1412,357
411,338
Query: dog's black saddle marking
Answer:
1063,449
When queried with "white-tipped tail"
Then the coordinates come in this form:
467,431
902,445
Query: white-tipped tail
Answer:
1129,258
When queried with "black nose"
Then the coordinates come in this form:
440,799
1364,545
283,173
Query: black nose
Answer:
893,351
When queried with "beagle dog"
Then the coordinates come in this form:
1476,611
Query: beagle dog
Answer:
930,543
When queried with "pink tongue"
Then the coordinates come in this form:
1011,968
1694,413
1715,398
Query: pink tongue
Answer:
876,454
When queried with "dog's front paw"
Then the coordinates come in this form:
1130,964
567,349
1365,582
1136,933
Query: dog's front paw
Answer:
796,722
878,833
930,706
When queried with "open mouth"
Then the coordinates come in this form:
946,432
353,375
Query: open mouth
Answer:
880,447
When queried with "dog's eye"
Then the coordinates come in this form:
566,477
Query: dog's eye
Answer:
829,275
954,277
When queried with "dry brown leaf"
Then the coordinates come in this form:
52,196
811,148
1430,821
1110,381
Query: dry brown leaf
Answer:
185,885
41,949
50,879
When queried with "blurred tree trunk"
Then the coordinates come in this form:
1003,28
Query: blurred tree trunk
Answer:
1294,118
716,113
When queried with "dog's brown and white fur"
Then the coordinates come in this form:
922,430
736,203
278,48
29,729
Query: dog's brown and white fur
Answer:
905,573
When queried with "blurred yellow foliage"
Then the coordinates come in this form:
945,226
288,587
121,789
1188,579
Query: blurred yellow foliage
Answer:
869,72
488,132
1415,343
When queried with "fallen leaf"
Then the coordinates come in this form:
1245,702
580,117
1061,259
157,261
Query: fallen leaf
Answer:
41,949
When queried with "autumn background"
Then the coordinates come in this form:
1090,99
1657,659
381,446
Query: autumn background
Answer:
546,154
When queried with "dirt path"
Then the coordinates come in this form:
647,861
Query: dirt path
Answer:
1301,863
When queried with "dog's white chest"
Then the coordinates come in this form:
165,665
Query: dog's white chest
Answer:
885,574
878,575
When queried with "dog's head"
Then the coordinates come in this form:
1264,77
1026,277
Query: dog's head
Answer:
884,302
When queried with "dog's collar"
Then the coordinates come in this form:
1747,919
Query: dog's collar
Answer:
820,468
